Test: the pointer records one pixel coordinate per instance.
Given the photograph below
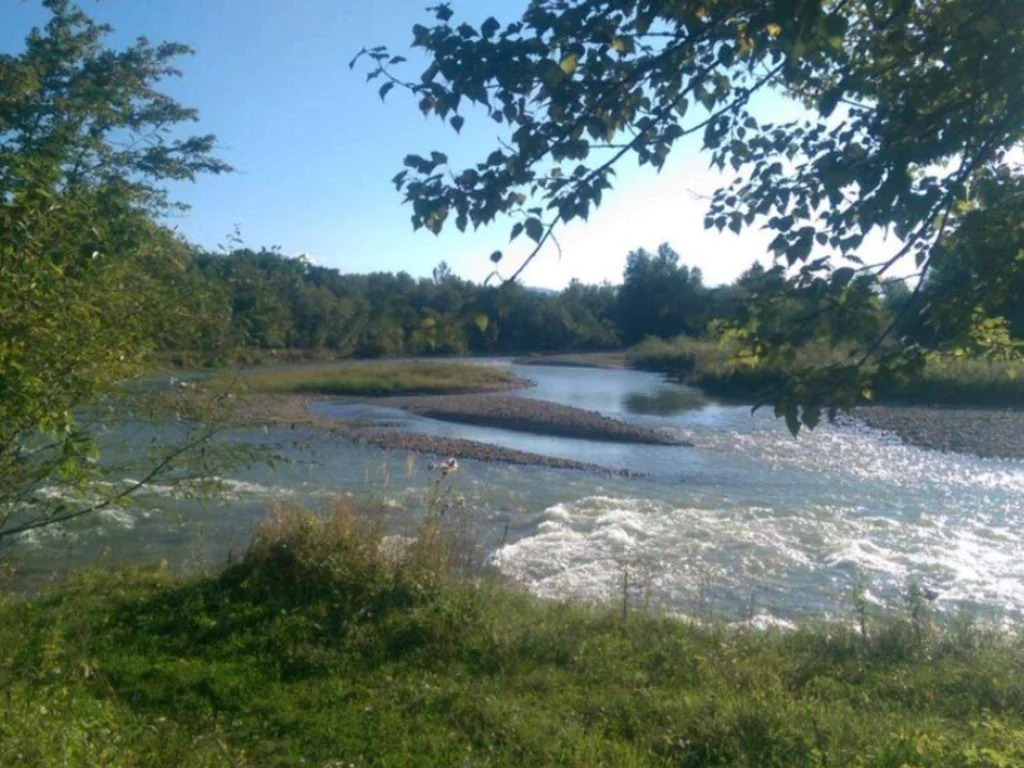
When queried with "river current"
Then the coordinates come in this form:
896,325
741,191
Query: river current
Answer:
748,523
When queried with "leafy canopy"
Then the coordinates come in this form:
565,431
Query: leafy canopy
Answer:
914,108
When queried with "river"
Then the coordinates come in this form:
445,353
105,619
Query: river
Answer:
748,523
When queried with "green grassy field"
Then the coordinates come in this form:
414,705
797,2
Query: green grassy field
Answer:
715,368
326,647
378,379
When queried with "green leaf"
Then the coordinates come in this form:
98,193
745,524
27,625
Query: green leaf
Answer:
623,45
829,100
834,25
792,421
534,229
810,417
569,63
489,27
842,276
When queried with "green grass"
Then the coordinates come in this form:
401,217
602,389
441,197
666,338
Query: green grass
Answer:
964,381
196,359
709,365
945,380
320,649
378,379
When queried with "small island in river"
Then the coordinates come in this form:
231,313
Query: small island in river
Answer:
453,391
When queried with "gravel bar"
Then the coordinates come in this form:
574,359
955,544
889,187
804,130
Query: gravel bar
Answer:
539,417
471,449
985,432
292,410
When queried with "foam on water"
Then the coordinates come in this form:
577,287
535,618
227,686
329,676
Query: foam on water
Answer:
788,563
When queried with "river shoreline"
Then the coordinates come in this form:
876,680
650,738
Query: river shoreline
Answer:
984,432
608,360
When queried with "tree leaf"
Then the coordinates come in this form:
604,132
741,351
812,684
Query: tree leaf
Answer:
829,100
489,27
792,421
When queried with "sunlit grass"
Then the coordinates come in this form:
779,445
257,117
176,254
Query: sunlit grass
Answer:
966,380
945,380
710,365
378,379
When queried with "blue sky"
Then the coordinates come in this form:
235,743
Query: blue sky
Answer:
315,148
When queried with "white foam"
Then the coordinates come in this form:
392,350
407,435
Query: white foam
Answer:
816,558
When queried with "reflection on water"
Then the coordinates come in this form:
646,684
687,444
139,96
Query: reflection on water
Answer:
667,401
748,516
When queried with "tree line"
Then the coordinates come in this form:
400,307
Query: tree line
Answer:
264,300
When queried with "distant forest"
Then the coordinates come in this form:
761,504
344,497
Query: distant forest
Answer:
263,300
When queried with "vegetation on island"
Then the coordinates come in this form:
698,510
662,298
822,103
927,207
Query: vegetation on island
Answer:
378,379
328,644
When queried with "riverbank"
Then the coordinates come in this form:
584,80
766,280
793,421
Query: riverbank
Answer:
985,432
957,405
716,368
328,645
610,360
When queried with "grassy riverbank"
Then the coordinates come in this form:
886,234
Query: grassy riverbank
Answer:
715,368
325,646
379,379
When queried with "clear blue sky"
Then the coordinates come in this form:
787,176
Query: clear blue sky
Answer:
315,148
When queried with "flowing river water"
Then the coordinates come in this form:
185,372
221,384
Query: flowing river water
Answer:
747,523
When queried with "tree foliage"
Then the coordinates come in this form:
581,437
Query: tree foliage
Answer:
87,278
660,297
264,300
913,110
